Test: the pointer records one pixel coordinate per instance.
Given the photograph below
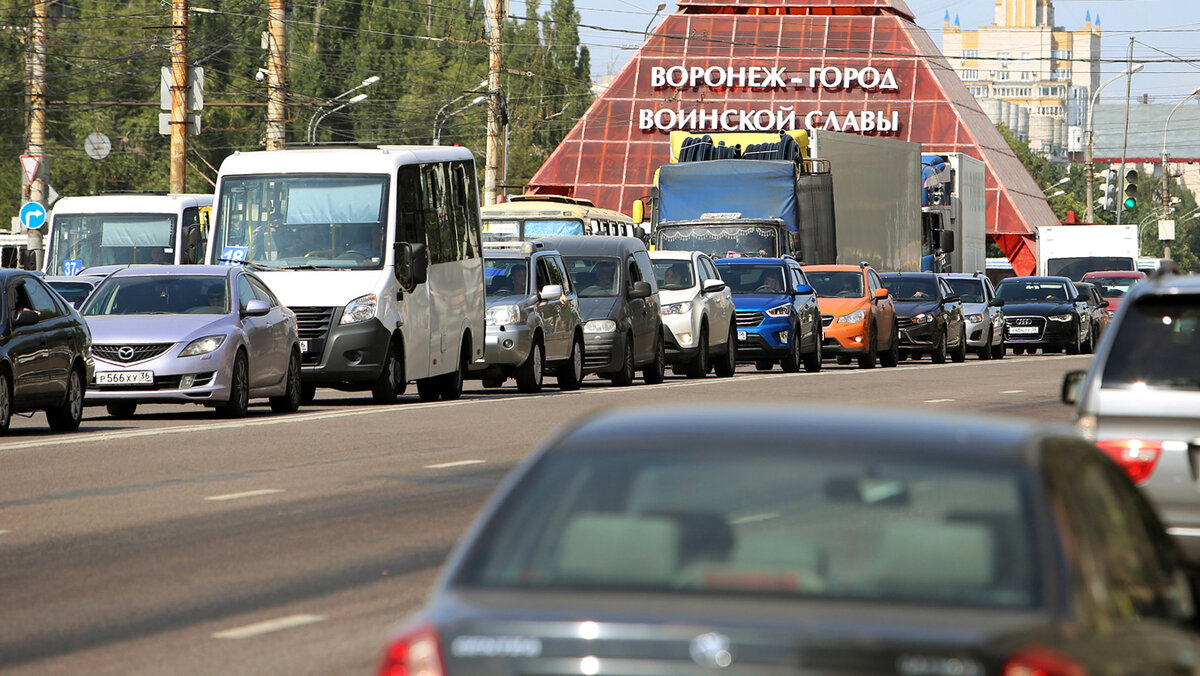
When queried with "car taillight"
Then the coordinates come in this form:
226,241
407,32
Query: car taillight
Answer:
1138,458
1042,662
414,653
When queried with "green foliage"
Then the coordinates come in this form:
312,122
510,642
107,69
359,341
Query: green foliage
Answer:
105,57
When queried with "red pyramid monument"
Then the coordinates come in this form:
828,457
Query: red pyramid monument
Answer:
738,65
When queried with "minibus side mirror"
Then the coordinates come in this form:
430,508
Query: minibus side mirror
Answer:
412,263
191,245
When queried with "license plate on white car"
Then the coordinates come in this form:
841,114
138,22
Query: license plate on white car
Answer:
1017,330
125,378
741,335
304,346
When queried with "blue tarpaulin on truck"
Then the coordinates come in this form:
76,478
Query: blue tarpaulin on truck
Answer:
753,188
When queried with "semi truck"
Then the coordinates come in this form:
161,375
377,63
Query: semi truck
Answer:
821,197
954,201
1075,250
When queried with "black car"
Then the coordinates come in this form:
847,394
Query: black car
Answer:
618,302
45,353
1098,312
929,314
1045,312
684,541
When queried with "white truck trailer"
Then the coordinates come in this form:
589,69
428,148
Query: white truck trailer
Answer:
1075,250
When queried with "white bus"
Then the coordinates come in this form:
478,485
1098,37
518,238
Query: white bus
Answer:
376,250
122,229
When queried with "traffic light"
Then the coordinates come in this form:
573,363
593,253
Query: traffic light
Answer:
1131,178
1108,197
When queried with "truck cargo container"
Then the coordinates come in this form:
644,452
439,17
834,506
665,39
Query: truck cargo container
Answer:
1075,250
953,200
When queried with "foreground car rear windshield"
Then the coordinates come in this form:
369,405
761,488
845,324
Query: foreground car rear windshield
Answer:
743,522
160,294
1157,345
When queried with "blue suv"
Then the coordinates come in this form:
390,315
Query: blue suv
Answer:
777,315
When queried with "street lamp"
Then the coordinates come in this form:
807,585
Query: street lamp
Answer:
1091,170
657,11
440,117
312,132
315,120
1062,180
1056,194
1165,196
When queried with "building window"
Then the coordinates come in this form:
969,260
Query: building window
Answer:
1026,76
970,54
1003,56
977,90
1062,54
1003,76
1061,74
970,74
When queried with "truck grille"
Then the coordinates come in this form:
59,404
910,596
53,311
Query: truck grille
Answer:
313,324
129,354
748,319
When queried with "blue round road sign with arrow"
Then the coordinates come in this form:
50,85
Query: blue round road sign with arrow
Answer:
33,215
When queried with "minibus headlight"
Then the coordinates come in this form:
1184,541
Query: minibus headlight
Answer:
360,309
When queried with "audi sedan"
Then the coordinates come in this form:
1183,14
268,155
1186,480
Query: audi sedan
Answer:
211,335
718,540
1045,312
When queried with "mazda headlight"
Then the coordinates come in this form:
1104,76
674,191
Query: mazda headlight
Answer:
501,315
853,318
202,346
677,308
779,310
1062,318
360,309
974,319
600,326
923,318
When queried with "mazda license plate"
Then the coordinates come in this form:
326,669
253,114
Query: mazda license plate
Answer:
125,378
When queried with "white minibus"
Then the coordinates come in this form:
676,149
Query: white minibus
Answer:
125,229
376,250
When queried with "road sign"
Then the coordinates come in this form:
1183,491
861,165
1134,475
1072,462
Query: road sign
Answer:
30,164
97,146
33,215
195,90
193,124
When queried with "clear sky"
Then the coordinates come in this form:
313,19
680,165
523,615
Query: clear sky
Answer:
1169,25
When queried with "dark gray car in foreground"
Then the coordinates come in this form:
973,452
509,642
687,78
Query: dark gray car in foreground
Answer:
685,541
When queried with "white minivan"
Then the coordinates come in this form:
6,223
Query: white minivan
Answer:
376,250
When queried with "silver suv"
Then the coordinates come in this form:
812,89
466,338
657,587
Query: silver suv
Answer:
1140,401
983,311
697,310
533,321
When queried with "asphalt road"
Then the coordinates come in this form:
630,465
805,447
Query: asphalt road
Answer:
181,543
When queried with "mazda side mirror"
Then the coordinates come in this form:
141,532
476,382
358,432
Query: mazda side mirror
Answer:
256,308
640,290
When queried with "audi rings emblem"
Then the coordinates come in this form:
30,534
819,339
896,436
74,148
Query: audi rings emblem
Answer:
125,353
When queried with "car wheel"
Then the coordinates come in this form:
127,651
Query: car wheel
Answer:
764,365
790,363
812,360
530,373
1074,346
239,389
959,355
1089,346
121,409
452,382
570,375
698,367
999,350
624,377
289,401
890,358
726,366
66,418
903,355
938,354
308,393
867,361
391,382
5,402
656,371
985,353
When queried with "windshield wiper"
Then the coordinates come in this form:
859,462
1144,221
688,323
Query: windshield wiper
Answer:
246,264
306,266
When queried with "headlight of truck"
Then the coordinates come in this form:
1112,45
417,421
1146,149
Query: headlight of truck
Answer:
360,309
501,315
1062,318
677,308
779,310
974,319
600,326
923,318
202,346
853,318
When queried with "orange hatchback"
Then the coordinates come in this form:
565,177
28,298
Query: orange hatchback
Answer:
857,314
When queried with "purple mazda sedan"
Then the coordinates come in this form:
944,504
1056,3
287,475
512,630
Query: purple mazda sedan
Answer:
212,335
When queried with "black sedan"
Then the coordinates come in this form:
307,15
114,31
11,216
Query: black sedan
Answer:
45,353
929,314
1045,312
683,541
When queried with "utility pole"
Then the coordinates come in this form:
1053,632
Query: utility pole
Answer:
37,118
1125,138
276,137
179,95
495,15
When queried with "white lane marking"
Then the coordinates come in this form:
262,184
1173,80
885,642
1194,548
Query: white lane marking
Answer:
292,419
247,494
754,518
259,628
5,532
1180,530
1013,392
456,463
938,401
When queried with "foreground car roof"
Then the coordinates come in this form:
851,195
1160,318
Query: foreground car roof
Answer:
181,270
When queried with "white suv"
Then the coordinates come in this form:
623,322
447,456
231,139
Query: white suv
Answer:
697,309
